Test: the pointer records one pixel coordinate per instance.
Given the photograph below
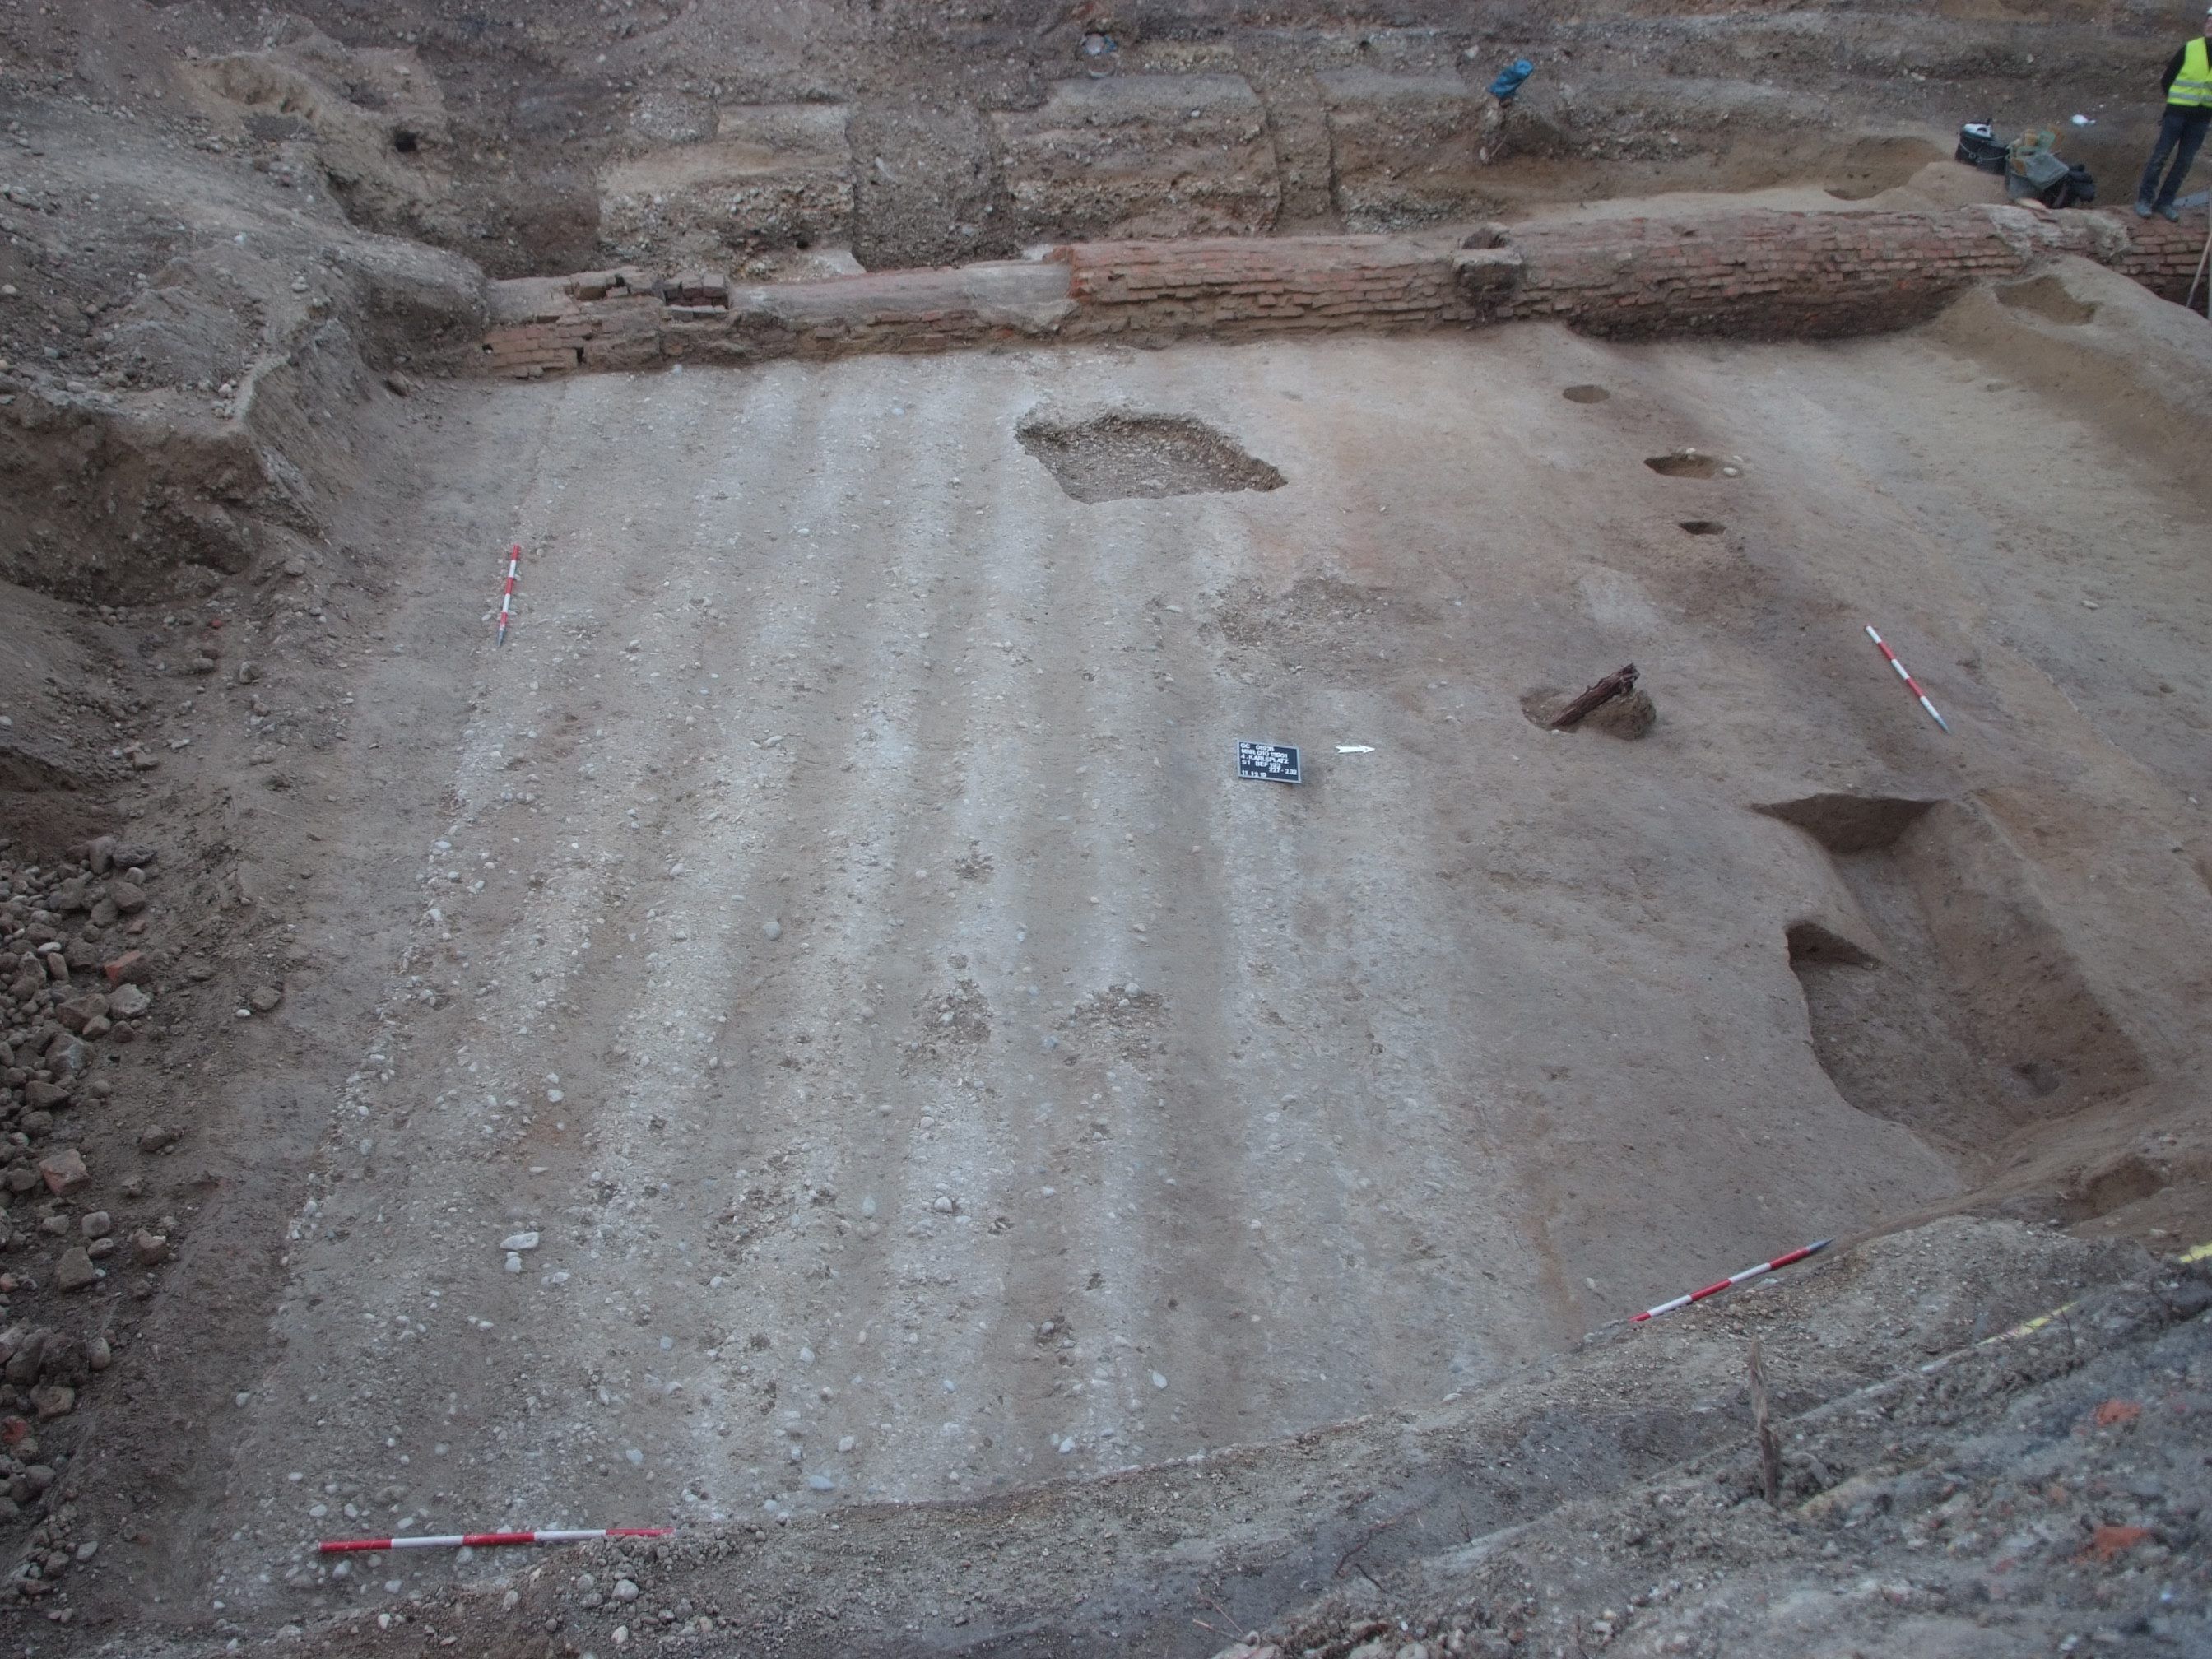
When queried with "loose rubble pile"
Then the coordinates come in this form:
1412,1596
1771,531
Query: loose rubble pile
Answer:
81,989
2041,1495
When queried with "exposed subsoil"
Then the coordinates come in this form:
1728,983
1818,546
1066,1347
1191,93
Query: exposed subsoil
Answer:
811,1042
792,804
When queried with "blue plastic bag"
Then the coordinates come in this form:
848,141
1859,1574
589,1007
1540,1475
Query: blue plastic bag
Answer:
1509,79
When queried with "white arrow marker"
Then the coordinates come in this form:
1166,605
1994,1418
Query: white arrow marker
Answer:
1355,749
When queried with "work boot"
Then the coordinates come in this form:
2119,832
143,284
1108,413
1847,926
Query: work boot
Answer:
2142,209
2170,211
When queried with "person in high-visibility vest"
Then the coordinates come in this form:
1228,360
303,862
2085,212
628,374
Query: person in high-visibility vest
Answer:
2188,113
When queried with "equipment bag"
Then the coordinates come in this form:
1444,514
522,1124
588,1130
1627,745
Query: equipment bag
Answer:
1980,147
2076,189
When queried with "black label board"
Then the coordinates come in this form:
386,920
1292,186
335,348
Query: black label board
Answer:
1274,763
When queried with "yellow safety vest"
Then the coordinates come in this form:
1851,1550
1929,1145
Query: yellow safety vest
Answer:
2193,86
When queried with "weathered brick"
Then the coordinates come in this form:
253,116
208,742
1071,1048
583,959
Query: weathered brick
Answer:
1754,274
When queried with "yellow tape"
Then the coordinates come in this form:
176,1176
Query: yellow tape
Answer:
2198,1253
2027,1327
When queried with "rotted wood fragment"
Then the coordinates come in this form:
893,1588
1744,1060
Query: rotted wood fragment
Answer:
1618,683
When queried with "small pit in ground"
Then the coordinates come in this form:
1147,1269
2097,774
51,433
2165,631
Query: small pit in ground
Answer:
1872,166
1586,394
1704,526
1684,463
1849,823
1121,457
1629,717
2126,1179
2046,297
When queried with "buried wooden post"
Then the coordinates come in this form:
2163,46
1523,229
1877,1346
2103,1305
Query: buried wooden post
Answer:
1618,683
1770,1445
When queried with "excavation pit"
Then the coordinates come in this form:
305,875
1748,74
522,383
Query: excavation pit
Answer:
809,1040
1685,464
932,691
985,729
1971,1016
1630,716
2046,297
831,921
1121,457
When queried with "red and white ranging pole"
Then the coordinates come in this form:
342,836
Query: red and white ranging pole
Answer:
1907,679
1733,1279
478,1540
507,598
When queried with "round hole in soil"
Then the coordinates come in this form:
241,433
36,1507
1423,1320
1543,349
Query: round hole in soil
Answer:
1586,394
1704,526
1684,463
1120,456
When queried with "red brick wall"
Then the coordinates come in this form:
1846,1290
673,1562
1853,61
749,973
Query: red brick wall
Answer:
1752,275
2163,258
622,331
1764,276
1252,286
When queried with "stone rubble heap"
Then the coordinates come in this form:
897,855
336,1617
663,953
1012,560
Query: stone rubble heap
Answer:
77,986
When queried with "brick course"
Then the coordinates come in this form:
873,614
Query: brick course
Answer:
1751,276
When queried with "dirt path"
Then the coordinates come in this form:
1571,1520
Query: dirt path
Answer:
926,1069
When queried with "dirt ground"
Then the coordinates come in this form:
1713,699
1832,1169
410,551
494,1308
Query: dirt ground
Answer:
829,932
811,1042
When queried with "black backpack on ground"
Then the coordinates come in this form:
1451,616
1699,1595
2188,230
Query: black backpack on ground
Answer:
2076,189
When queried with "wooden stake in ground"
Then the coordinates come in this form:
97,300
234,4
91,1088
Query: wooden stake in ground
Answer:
2203,261
1770,1445
1618,683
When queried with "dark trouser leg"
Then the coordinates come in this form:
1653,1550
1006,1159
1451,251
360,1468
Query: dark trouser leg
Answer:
2190,137
2169,134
